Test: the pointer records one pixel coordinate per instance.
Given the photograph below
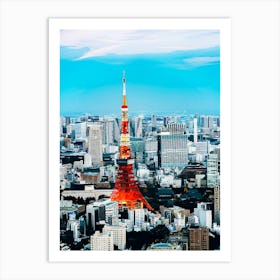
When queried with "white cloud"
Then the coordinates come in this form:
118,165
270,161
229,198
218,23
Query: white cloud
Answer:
201,60
129,42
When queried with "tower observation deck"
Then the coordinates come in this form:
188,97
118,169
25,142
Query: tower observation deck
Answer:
126,191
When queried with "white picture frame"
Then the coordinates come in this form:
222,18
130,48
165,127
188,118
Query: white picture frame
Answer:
25,24
55,27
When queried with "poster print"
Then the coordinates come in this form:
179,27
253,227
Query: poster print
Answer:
139,160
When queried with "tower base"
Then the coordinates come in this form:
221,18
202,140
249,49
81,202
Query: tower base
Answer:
126,191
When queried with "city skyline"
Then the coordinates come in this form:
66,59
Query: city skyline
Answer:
157,191
179,74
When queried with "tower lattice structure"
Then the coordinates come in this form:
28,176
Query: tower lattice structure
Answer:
126,191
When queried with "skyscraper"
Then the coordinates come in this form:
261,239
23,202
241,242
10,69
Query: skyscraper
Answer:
204,215
131,219
80,129
173,150
217,204
109,210
117,129
176,128
74,226
212,171
151,150
202,149
195,130
203,122
70,130
154,122
95,143
137,149
210,122
91,214
138,126
108,131
139,218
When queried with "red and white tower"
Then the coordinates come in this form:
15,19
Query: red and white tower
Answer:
126,190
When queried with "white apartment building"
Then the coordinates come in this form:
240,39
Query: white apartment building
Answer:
102,242
118,233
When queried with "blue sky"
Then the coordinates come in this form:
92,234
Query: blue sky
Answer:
167,71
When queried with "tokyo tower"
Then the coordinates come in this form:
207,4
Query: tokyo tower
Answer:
126,191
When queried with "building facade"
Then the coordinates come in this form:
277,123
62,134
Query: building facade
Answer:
173,150
95,143
217,205
102,242
204,215
118,233
198,239
212,171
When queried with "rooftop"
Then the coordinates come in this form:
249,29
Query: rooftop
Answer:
161,246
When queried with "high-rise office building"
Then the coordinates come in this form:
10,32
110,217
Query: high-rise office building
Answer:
210,122
139,218
217,204
74,226
137,149
82,226
67,120
119,234
151,150
138,126
76,230
70,130
61,126
203,121
110,212
173,150
80,130
204,215
108,131
91,216
198,238
218,121
176,128
154,122
117,130
202,149
131,127
212,171
95,143
195,130
131,219
102,242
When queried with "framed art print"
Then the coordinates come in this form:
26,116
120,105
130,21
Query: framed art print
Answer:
139,139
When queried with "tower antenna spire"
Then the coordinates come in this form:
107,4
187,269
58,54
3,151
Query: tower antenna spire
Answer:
124,88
